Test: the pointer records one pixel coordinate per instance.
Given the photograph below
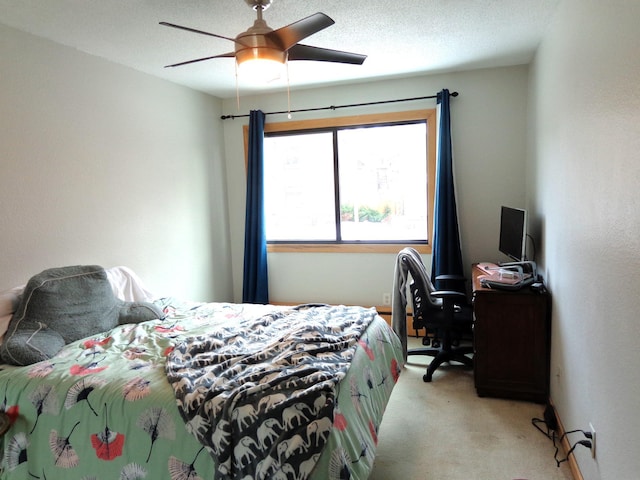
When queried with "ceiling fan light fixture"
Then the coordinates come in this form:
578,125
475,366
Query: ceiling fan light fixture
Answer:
260,64
245,55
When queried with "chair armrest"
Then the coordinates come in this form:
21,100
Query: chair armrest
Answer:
450,277
449,295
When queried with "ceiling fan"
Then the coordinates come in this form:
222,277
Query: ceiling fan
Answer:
260,42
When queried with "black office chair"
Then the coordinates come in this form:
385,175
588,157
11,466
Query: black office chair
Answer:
445,315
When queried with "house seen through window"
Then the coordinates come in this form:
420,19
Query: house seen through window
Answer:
353,183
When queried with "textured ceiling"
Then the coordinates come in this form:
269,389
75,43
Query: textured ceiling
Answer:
400,37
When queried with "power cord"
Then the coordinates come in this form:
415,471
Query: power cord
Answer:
585,443
549,421
551,425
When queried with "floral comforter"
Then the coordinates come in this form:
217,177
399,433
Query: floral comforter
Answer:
104,409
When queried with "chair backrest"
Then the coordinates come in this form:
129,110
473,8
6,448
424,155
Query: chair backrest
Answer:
420,286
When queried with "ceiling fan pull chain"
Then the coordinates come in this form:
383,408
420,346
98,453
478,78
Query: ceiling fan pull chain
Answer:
235,63
286,62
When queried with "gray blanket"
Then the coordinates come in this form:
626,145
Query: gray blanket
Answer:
407,259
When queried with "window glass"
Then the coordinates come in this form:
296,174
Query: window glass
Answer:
383,188
350,184
299,187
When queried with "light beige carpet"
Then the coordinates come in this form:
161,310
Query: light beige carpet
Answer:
443,430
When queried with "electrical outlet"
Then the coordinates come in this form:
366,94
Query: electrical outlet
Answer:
386,299
593,440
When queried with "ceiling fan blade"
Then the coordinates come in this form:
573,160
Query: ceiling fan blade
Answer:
307,52
224,55
288,36
189,29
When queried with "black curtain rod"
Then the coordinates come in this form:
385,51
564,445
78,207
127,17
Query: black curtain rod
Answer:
336,107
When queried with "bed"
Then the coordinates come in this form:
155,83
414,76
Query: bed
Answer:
210,391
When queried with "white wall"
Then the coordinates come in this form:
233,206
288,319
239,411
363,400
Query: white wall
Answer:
489,141
104,165
586,98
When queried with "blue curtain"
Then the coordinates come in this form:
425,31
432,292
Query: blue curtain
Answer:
255,286
446,254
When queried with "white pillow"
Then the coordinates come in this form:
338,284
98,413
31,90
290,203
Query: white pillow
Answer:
127,286
8,304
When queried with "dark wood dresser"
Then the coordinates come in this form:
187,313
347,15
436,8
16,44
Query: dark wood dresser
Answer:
512,338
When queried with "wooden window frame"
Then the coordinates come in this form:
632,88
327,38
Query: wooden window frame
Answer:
429,115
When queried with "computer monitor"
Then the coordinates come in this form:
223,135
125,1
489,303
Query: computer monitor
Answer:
513,233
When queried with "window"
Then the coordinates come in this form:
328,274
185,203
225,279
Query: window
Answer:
350,183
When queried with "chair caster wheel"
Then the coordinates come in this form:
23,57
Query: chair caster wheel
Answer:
426,341
426,377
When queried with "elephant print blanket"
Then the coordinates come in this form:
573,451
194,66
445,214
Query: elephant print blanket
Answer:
259,394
